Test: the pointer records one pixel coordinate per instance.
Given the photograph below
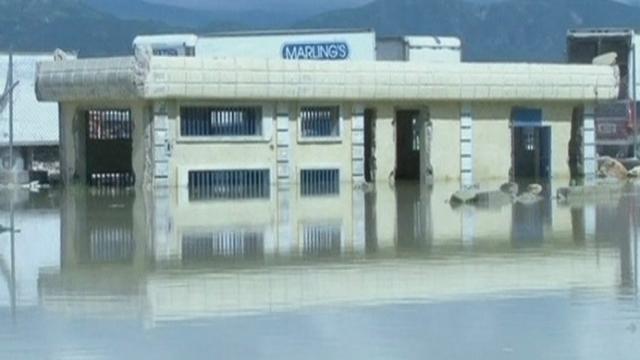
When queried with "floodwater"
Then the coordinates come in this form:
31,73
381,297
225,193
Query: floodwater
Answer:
391,274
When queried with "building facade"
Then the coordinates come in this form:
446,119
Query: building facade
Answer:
230,124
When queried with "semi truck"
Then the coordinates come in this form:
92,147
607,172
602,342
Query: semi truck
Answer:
617,131
323,45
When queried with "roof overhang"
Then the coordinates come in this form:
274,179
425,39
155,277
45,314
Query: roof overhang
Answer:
153,78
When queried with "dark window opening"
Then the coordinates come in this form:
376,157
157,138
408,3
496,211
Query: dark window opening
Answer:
221,121
320,121
109,144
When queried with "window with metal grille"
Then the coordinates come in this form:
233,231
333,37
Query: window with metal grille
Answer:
321,240
111,244
223,244
221,121
316,182
229,184
109,124
319,122
116,179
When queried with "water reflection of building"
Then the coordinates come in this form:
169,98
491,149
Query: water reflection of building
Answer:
175,256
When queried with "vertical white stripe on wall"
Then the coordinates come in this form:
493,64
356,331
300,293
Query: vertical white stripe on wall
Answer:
466,146
590,162
357,144
283,143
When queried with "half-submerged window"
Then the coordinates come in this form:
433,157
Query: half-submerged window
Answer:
320,122
111,244
229,184
223,244
321,239
318,182
221,121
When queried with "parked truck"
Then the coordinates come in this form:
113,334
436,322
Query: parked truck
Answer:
617,131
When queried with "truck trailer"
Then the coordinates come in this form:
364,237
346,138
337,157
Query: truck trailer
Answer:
617,132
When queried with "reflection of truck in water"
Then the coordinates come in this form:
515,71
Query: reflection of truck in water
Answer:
616,126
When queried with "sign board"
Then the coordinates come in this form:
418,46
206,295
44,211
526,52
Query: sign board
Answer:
316,51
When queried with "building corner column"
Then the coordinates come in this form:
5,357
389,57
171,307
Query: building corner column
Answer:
161,144
589,160
283,144
466,147
357,145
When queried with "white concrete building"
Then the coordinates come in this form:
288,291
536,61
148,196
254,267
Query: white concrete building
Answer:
202,122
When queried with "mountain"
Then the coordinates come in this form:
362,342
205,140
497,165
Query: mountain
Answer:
207,20
508,30
142,10
513,30
44,25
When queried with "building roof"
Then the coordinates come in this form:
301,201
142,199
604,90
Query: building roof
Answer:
270,79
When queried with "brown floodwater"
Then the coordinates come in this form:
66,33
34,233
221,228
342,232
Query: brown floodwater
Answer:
394,273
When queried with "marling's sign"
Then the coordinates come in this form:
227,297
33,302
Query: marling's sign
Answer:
316,51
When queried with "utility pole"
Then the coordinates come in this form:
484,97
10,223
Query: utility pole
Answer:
10,81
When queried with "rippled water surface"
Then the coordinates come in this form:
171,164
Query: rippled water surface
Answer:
395,273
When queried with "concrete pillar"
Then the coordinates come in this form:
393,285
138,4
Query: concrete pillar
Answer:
466,147
445,155
161,145
74,128
590,162
385,144
359,221
139,150
285,222
468,219
357,144
424,129
283,143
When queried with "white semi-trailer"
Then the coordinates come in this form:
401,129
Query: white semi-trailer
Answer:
616,123
325,45
291,45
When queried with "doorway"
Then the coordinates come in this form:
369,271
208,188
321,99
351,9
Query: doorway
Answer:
369,145
407,145
531,145
109,144
532,152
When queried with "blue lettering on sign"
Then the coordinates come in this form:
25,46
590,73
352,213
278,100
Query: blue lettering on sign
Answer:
316,51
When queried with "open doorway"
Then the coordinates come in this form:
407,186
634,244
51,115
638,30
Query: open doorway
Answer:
531,145
109,144
407,145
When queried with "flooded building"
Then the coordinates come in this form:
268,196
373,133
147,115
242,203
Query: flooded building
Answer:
223,123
